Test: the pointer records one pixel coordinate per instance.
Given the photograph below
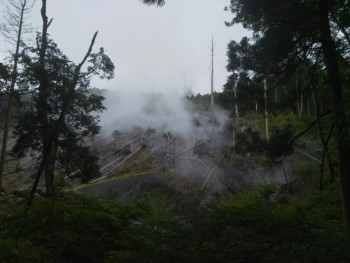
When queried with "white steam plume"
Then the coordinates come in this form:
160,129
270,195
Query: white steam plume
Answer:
129,110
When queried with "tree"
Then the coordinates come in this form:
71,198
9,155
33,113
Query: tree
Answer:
61,117
244,81
4,79
12,30
153,2
288,33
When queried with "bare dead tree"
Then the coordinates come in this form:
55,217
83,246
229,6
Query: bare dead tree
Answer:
212,113
13,30
266,113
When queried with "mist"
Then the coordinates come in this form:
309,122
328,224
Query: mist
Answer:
167,112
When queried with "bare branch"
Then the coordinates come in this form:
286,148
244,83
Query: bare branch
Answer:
309,127
48,24
89,51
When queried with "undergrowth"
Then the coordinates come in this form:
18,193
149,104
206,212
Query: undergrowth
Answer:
247,228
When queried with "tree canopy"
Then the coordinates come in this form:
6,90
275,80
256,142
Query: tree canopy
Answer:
153,2
63,109
288,35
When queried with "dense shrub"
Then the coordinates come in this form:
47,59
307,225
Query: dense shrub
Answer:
247,228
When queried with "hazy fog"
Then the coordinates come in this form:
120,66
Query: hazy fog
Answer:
127,110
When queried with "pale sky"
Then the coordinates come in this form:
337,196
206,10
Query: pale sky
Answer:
152,48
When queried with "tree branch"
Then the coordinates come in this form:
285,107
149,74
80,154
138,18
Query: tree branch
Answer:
49,23
88,52
309,127
342,29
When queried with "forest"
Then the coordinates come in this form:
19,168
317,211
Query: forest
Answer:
257,172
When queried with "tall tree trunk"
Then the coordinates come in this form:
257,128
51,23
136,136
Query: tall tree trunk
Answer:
212,117
52,133
49,169
285,91
42,101
4,141
321,105
276,97
39,172
267,130
338,107
10,96
301,95
297,92
323,140
236,104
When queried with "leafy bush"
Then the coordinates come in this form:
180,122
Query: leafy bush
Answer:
247,228
280,144
251,228
248,141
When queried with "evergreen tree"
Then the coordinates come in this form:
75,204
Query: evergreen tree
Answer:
286,33
61,112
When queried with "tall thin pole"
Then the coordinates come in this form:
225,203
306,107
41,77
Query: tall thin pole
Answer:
212,81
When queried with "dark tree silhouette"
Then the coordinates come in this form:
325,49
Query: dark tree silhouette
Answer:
288,33
61,110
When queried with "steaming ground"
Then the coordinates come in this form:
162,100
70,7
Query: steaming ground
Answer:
168,126
172,112
169,135
165,127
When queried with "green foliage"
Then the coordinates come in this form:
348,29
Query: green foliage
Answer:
73,229
280,144
247,228
4,78
141,163
250,228
284,119
201,100
248,141
265,190
18,166
4,72
157,234
61,113
309,174
284,49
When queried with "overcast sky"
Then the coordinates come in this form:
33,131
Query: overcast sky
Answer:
152,48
